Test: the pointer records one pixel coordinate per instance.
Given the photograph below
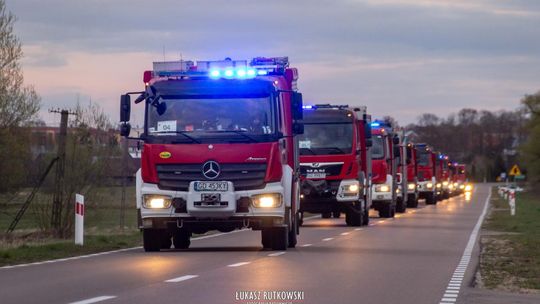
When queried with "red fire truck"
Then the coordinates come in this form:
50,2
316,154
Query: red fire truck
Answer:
446,177
220,150
335,162
384,167
412,176
427,181
459,177
402,178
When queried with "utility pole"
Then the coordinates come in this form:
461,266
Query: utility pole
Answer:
60,166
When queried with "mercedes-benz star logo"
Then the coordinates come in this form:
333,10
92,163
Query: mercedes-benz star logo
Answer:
211,169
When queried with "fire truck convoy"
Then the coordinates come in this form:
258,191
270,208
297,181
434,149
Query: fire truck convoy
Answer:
220,150
384,154
335,162
225,149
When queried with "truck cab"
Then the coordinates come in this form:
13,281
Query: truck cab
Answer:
459,177
384,168
334,156
446,177
402,176
412,176
427,181
220,150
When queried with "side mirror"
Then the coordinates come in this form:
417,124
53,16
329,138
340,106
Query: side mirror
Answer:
369,142
298,128
408,161
125,129
296,106
125,108
395,140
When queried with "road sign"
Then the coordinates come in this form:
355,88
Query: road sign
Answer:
515,171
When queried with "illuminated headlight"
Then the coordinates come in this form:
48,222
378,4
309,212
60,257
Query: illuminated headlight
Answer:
439,185
450,186
411,186
429,185
271,200
153,201
461,187
468,188
382,188
353,188
455,185
445,183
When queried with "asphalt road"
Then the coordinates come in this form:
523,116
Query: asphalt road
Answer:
409,259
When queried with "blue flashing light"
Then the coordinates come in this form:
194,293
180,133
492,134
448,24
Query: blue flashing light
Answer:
241,73
307,107
251,72
215,73
375,124
262,72
229,73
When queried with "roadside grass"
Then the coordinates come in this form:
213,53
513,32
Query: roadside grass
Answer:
510,257
56,249
30,243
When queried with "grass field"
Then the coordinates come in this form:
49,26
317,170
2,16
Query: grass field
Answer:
102,227
510,258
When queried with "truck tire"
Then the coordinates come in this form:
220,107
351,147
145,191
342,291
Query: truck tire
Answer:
354,218
336,214
275,238
401,206
301,219
365,222
326,215
293,232
431,199
181,239
166,241
412,201
387,211
151,240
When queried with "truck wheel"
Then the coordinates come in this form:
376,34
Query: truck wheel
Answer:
151,240
293,233
166,241
412,201
354,218
365,222
430,199
301,219
275,238
401,207
336,214
387,211
326,215
181,239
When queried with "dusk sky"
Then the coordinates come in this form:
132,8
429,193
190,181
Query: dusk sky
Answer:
399,57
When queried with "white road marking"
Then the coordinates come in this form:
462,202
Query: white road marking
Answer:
276,254
307,245
452,290
182,278
327,239
357,229
345,233
94,300
239,264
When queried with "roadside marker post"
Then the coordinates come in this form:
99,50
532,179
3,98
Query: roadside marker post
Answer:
79,219
512,202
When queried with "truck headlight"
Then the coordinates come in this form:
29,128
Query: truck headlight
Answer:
439,185
353,188
411,186
445,183
429,185
468,188
155,201
455,185
270,200
461,187
382,188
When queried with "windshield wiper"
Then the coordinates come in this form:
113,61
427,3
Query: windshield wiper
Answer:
336,149
307,149
242,133
178,132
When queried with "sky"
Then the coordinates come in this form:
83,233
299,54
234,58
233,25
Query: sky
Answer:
398,57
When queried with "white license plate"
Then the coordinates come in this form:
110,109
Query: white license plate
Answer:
316,175
211,186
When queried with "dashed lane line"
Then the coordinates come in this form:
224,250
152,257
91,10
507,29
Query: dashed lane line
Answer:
452,290
94,300
238,264
182,278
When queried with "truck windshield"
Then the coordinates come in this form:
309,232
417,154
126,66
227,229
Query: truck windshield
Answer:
423,158
377,150
243,118
326,138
